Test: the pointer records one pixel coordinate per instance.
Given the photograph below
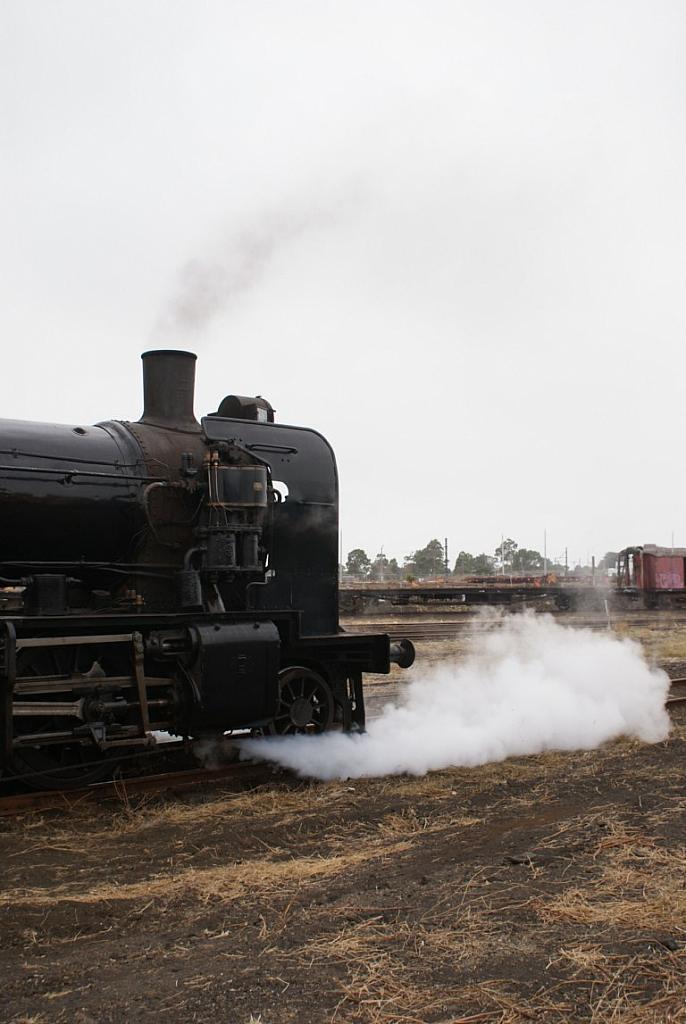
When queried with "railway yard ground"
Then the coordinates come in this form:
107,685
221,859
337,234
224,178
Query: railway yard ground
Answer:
544,888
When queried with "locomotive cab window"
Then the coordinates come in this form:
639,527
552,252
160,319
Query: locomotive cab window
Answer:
280,489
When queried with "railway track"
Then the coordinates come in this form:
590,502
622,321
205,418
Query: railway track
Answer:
122,789
677,693
468,624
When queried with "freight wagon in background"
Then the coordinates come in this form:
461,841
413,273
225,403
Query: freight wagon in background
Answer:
652,576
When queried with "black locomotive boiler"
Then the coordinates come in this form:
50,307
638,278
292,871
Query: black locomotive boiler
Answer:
169,576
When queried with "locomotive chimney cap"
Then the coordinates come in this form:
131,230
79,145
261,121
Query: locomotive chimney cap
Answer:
168,389
168,352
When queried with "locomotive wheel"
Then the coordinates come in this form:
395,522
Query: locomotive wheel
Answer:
67,766
58,766
306,703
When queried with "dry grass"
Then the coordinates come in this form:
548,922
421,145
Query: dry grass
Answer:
388,968
409,822
375,902
663,641
80,830
393,969
261,876
618,982
641,886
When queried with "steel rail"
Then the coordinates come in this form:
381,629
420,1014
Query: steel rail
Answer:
120,789
680,681
442,630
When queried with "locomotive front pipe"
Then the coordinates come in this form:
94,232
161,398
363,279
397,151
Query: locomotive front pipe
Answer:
402,653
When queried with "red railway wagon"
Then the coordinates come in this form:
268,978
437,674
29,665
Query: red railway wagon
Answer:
653,575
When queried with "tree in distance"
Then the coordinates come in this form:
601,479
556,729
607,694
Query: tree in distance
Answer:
358,563
511,558
383,568
526,560
504,553
426,561
474,565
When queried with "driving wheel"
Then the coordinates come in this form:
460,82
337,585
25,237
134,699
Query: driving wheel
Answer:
305,704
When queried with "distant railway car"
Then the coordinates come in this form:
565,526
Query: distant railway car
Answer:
652,576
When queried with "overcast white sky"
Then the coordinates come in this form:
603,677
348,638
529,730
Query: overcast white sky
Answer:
449,235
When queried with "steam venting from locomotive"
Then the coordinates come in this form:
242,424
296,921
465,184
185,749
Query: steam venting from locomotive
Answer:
529,685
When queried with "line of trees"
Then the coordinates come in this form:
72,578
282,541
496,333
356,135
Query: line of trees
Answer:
507,558
426,561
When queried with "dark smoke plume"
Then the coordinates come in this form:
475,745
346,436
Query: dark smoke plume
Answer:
207,286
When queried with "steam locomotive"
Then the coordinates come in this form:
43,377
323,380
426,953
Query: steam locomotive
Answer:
169,576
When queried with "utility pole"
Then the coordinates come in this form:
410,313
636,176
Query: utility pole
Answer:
545,552
445,556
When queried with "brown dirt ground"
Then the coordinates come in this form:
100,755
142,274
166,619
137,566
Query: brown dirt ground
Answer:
548,888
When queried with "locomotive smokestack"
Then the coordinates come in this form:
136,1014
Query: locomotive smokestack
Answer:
168,389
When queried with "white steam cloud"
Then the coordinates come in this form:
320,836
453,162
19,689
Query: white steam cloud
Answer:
527,686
